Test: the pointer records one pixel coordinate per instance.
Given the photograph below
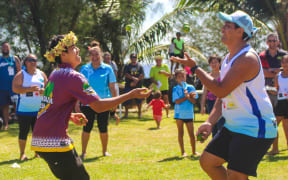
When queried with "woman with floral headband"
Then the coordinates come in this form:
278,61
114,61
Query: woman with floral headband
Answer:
65,86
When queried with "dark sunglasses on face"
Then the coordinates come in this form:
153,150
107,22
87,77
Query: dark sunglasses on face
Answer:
133,57
32,60
272,40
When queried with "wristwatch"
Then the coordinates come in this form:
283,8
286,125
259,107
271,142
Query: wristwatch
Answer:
193,69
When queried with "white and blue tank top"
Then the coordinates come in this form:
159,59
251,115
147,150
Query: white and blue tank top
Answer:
247,109
29,103
283,87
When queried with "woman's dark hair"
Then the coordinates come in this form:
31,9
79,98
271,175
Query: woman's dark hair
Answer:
107,54
95,43
54,41
284,57
157,94
214,56
133,55
28,57
5,42
172,40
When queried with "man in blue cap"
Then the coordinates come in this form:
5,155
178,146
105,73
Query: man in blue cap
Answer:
250,125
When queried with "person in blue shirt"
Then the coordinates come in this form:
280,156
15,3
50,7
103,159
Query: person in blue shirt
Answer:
102,79
9,66
184,96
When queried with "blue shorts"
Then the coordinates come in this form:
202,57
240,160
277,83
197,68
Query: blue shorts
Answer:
5,98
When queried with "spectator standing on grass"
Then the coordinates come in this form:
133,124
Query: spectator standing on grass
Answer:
281,109
101,78
159,75
250,125
9,66
271,63
107,60
29,84
208,98
171,53
178,47
184,96
157,105
134,74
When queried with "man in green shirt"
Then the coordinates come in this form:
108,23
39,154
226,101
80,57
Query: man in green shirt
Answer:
159,75
178,48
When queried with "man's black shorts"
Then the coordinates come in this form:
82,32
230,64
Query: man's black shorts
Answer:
164,92
281,108
179,55
243,153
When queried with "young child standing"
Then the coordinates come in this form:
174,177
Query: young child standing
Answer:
184,96
281,84
157,103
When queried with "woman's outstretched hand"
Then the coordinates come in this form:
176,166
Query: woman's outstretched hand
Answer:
140,93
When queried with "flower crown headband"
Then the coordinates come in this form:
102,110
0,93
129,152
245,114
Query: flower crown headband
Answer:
69,40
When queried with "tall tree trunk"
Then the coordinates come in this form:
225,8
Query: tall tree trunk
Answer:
34,8
282,26
22,25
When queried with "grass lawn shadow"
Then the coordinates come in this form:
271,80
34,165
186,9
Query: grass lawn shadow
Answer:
14,161
153,128
198,121
144,119
175,158
274,158
193,158
135,118
88,160
12,131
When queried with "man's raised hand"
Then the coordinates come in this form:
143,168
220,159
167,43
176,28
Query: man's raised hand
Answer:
188,61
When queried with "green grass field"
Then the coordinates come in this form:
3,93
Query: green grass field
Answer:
139,150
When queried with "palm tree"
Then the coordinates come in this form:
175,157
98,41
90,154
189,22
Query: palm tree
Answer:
275,11
146,45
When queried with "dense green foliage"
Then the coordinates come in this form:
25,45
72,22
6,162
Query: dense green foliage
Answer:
268,11
33,23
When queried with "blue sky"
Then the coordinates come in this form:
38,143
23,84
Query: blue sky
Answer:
156,10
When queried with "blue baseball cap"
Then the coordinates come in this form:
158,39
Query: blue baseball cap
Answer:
242,19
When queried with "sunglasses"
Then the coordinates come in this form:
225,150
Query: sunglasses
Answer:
133,57
272,40
32,60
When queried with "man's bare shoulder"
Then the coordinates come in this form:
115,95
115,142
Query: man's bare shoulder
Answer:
247,65
247,59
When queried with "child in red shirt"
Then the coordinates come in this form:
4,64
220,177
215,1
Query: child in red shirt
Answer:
157,104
